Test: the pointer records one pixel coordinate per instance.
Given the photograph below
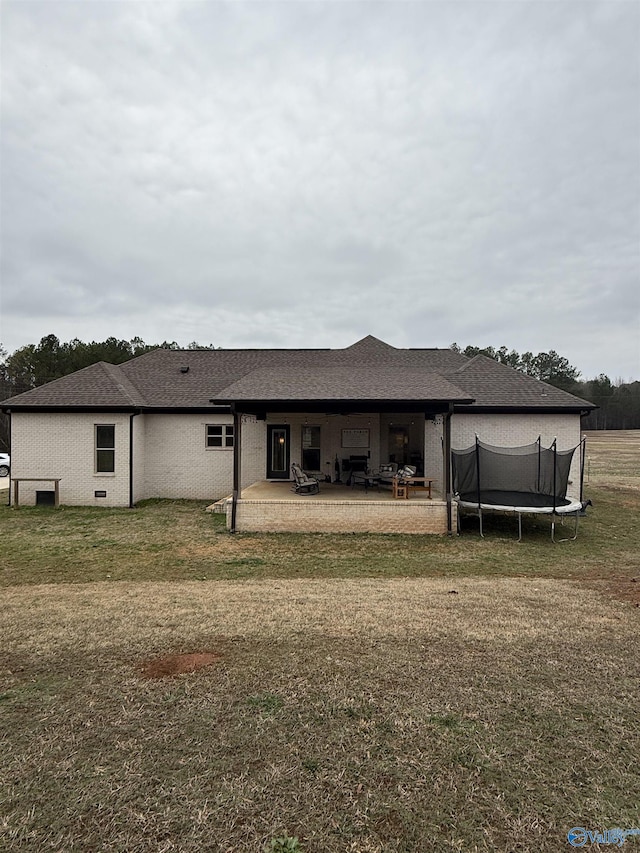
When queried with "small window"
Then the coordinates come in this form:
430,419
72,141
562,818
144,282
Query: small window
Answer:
105,448
219,435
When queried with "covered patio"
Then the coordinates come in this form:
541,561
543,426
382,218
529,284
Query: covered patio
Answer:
273,395
269,490
273,507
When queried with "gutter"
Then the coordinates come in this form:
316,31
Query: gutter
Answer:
160,410
524,409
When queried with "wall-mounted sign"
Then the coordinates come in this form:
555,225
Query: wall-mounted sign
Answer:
355,438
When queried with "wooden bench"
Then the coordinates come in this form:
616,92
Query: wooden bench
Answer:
54,480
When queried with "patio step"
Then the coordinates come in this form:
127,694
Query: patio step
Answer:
219,506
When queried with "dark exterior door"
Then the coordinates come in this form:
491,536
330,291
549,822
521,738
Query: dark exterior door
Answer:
399,444
277,452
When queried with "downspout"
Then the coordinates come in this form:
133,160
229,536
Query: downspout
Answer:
131,417
447,468
237,467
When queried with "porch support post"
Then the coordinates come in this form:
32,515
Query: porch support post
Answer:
447,468
237,465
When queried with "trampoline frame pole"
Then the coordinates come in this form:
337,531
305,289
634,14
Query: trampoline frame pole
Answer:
478,484
568,538
555,469
583,456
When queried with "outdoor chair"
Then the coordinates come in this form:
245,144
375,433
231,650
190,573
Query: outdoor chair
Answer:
406,472
303,483
386,472
400,481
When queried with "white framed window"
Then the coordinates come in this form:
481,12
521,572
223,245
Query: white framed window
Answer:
219,436
105,457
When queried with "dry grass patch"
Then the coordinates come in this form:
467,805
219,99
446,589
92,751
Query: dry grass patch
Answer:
613,458
358,715
367,694
176,616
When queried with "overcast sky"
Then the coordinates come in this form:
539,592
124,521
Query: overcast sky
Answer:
306,173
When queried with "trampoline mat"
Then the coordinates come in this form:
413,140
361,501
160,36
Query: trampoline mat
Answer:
520,499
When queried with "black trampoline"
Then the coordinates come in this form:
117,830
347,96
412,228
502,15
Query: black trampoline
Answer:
530,479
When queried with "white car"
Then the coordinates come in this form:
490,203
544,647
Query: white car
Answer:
5,464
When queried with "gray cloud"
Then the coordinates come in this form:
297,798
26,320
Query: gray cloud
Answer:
304,174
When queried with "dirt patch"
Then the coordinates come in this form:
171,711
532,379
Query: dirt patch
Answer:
171,665
626,589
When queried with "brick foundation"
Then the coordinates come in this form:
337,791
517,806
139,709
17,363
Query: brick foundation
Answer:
424,517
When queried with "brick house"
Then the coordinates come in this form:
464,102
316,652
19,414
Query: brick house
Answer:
206,424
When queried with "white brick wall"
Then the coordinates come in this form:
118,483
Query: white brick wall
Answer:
433,458
139,447
177,462
63,445
171,460
254,453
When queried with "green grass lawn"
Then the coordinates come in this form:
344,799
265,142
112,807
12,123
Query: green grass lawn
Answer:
177,540
373,694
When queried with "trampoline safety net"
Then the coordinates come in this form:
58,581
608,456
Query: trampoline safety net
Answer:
482,470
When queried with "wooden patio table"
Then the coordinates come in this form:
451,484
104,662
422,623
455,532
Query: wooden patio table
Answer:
402,487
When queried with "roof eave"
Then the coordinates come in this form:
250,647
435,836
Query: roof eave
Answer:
333,405
49,408
87,409
523,409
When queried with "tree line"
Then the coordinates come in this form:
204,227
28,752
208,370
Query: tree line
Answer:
618,402
35,364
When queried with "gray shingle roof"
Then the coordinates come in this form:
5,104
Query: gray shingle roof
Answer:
100,382
495,385
341,383
368,369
